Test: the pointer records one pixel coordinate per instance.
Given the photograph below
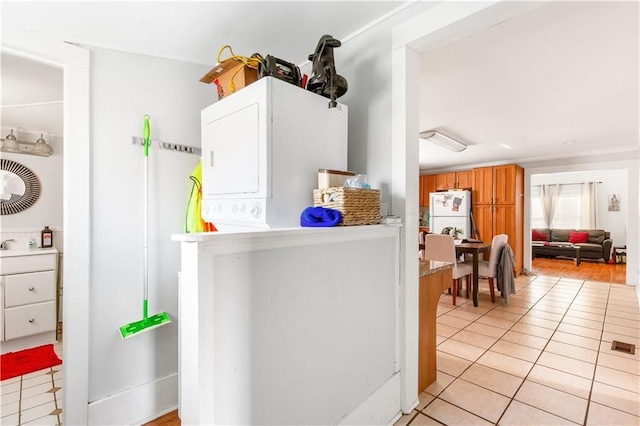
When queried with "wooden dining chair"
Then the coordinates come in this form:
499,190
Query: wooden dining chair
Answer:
489,268
442,248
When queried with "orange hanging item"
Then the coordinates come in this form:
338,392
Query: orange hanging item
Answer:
194,221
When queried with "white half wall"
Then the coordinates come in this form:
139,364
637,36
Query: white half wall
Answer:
124,87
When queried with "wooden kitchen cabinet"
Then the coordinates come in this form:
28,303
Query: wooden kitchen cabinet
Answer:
498,202
454,180
427,186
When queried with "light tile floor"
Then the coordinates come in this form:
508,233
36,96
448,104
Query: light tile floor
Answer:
35,398
544,358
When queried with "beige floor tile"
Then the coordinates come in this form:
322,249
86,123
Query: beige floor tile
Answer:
556,402
461,349
440,339
10,398
11,380
523,414
568,365
580,331
617,363
505,363
585,315
37,412
449,414
36,400
10,420
596,325
36,374
532,330
613,307
36,390
501,314
452,321
569,383
617,398
35,381
44,421
525,339
624,315
10,388
465,315
422,420
513,309
618,329
622,322
545,315
590,309
405,419
486,330
478,400
617,378
495,322
9,408
539,322
495,380
424,398
515,350
445,331
442,381
600,415
572,351
475,339
572,339
451,365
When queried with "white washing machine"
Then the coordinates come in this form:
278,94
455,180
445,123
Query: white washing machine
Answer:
261,151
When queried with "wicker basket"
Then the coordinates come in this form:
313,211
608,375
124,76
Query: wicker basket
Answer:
358,206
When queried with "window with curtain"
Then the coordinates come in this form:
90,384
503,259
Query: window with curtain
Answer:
568,211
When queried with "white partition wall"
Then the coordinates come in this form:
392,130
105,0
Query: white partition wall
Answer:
294,326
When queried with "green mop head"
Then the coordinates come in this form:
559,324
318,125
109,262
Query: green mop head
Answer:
145,324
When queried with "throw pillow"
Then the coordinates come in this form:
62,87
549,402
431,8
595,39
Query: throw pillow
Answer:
537,235
578,237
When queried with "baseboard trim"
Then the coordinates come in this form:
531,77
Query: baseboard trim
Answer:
380,408
137,405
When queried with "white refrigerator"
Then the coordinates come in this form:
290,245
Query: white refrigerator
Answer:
451,209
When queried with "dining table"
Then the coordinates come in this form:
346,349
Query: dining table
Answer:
474,248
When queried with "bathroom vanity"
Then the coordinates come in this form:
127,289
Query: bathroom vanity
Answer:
27,298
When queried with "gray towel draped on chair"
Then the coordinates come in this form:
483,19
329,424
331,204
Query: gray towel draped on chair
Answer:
505,280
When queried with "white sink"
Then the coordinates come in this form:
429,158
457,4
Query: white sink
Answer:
26,252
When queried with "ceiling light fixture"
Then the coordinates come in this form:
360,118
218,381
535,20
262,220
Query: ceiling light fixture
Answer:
443,140
39,147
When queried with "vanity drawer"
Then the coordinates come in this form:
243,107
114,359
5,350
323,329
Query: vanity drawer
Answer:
20,264
31,319
24,289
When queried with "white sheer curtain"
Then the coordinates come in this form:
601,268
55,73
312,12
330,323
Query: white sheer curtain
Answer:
549,199
589,205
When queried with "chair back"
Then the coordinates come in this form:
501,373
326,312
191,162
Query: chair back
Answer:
498,242
439,247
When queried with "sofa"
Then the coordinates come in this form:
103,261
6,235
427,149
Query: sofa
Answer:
593,243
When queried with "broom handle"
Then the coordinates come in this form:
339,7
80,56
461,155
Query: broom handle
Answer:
145,212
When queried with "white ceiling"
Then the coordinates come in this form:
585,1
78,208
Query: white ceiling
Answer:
565,71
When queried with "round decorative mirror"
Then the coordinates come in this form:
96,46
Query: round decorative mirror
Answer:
20,187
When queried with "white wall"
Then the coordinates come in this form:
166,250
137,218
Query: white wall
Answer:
124,87
613,182
365,61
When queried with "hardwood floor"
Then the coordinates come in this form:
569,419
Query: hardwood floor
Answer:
588,269
559,267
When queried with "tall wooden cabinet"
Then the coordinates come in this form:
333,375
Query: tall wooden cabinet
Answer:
498,202
427,186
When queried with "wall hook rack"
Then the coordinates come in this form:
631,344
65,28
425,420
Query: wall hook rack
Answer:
154,143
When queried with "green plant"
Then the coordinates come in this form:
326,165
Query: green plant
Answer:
455,233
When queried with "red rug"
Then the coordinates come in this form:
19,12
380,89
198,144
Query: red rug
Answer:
15,364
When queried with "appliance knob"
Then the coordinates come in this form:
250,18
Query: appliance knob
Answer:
256,210
219,207
235,209
243,209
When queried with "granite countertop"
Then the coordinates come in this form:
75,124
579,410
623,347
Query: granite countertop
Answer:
428,267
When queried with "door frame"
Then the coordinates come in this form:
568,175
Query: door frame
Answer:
74,62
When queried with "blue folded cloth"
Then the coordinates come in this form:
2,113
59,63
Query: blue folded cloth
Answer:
319,217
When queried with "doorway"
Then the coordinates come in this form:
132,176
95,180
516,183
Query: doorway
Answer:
74,62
